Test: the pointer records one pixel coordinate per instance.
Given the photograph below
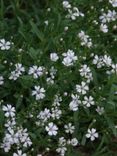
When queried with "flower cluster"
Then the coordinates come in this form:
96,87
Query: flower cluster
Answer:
85,39
14,135
69,58
107,18
58,87
73,12
15,74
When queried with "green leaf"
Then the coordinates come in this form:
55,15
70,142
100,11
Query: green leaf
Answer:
33,53
83,142
26,81
36,31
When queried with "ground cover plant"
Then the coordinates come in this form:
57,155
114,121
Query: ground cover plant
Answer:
58,78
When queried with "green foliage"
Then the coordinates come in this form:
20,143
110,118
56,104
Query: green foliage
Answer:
37,29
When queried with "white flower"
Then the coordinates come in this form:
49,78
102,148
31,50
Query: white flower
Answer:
113,2
66,5
114,68
110,16
50,81
46,22
1,80
107,60
74,142
9,110
74,13
14,75
92,134
67,61
84,70
85,40
5,45
10,123
61,150
69,128
51,129
6,146
57,100
74,103
54,57
73,106
19,68
12,137
83,88
36,71
44,115
62,141
70,54
27,142
103,18
100,110
88,101
104,28
56,113
98,61
69,58
66,28
38,92
53,72
19,153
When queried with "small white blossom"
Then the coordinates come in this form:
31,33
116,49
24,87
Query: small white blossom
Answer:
85,39
10,123
85,72
44,115
69,58
104,28
9,110
1,80
114,68
39,92
74,13
61,150
51,129
36,71
74,142
14,75
5,45
54,57
108,17
66,4
19,68
107,60
69,128
100,110
74,103
113,2
19,153
83,88
56,113
92,134
88,101
98,61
